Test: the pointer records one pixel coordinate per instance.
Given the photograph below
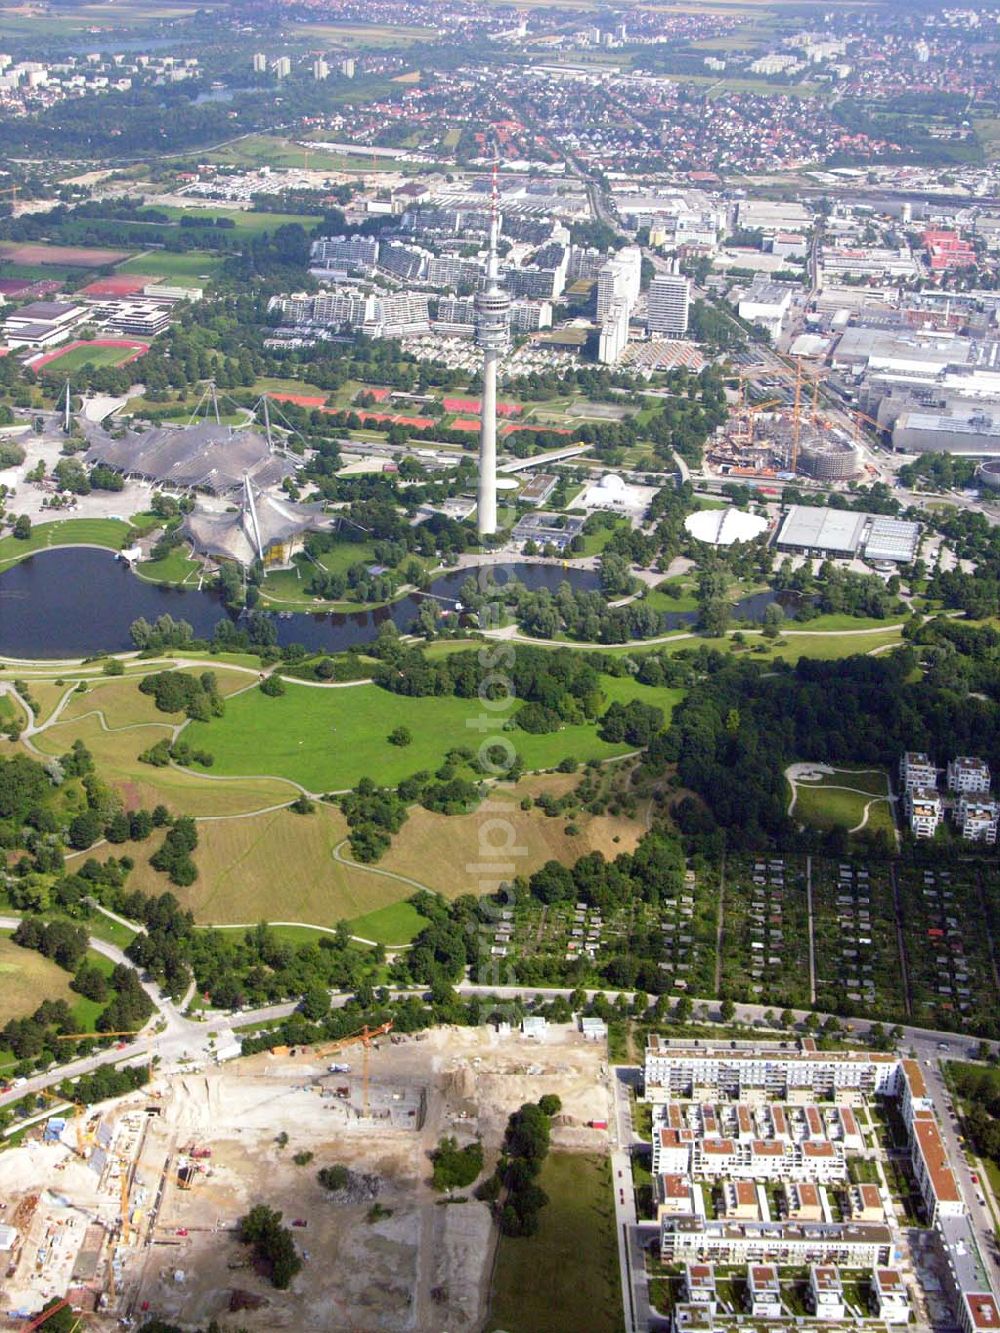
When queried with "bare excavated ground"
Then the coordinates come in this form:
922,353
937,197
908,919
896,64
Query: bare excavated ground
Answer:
415,1263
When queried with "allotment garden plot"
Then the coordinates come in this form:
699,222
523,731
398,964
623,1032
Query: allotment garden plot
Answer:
951,963
671,942
856,939
766,931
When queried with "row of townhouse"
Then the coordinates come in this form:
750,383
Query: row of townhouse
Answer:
768,1159
886,1292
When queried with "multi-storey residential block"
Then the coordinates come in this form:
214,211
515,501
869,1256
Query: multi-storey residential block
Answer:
968,775
668,299
763,1291
826,1292
916,770
779,1071
889,1300
924,811
853,1245
977,820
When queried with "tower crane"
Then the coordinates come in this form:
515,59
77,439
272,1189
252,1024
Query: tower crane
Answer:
364,1038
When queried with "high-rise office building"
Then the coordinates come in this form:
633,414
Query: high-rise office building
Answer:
668,299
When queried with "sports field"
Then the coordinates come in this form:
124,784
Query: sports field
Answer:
67,256
189,268
98,352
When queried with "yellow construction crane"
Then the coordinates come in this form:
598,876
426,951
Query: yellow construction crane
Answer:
752,415
364,1038
123,1186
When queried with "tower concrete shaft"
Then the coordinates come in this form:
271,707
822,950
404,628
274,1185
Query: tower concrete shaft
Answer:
492,306
486,493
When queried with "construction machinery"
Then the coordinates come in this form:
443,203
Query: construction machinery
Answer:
364,1038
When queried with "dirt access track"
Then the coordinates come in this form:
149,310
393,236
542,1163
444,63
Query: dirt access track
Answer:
415,1263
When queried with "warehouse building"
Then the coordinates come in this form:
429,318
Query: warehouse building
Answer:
918,432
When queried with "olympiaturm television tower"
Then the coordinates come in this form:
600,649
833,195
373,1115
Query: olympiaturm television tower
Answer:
492,331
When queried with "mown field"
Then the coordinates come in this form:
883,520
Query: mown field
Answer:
107,532
327,740
93,354
281,866
840,799
26,979
539,1282
190,267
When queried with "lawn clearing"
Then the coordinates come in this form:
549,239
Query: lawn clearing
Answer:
26,979
328,739
398,924
176,567
578,1220
123,704
108,532
183,791
849,798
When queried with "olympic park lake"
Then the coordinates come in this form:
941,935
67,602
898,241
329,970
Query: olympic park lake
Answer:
75,601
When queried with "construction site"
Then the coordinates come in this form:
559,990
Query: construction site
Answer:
784,433
132,1209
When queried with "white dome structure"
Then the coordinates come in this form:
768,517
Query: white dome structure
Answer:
613,483
723,527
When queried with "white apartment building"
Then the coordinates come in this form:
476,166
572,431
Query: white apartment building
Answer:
668,300
978,1312
968,775
614,332
889,1298
826,1292
916,770
399,313
977,820
530,316
672,1151
619,277
853,1245
929,1157
924,811
773,1071
764,1291
348,252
